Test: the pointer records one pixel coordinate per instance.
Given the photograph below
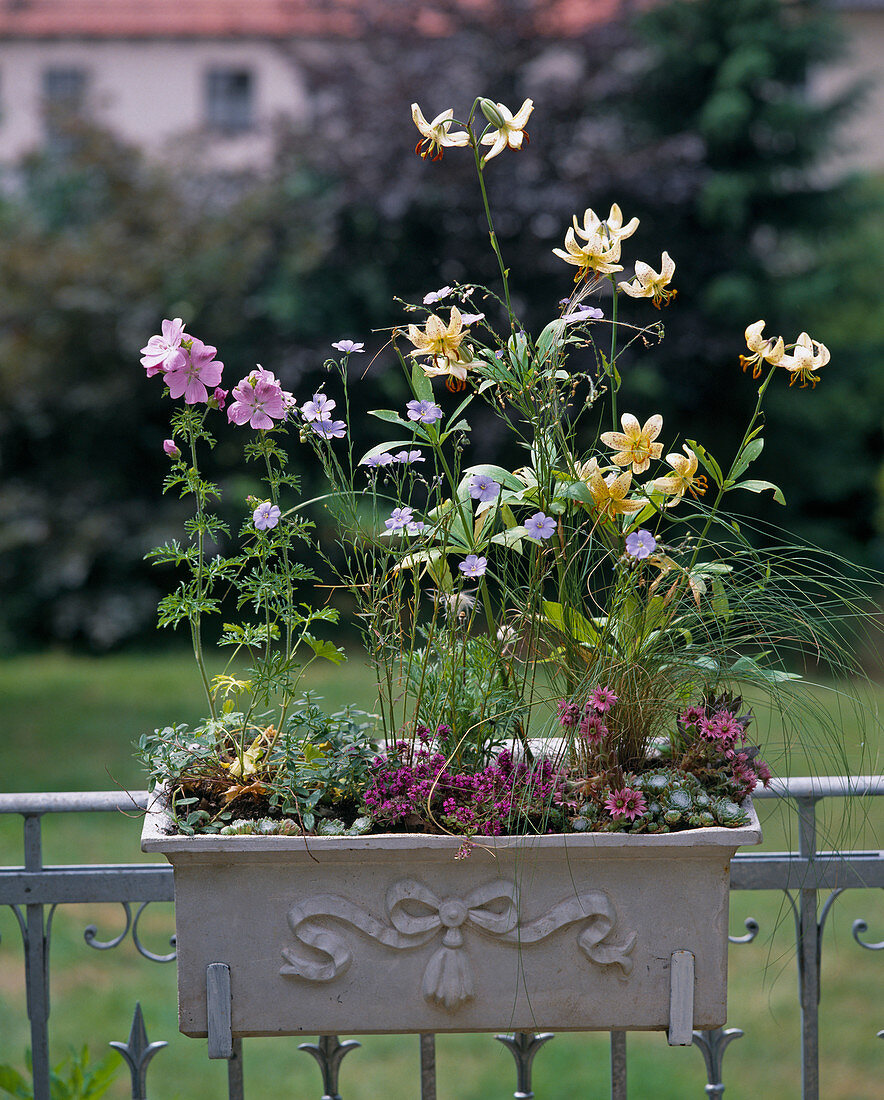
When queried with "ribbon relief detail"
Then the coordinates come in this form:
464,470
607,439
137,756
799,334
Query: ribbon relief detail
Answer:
415,916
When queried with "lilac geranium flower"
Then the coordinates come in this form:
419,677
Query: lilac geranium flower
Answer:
399,519
483,488
164,353
199,369
540,526
319,408
348,347
436,295
257,401
425,412
373,461
266,515
473,566
407,457
640,544
171,448
415,527
329,429
584,313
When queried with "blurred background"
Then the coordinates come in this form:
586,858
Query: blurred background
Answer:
248,165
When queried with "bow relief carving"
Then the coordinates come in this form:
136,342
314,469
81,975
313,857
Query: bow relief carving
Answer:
415,916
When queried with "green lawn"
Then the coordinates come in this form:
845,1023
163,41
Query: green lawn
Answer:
68,724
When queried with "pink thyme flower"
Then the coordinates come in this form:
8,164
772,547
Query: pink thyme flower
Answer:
171,448
163,353
626,803
602,699
200,369
258,401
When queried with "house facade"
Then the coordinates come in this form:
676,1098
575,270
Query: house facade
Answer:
211,79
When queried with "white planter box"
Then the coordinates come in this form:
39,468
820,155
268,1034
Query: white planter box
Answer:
394,934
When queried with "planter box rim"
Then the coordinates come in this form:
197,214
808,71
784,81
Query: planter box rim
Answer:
156,836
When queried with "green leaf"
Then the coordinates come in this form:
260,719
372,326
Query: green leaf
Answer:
382,448
547,340
391,417
571,623
574,490
760,487
12,1082
326,649
749,453
708,462
421,384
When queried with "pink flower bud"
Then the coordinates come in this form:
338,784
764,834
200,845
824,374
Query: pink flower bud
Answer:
218,398
171,448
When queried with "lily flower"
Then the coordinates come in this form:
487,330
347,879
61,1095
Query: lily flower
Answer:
770,350
443,344
609,493
684,478
807,356
598,254
435,135
635,445
612,227
511,130
651,284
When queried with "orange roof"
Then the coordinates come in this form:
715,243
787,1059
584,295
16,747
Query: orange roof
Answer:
266,18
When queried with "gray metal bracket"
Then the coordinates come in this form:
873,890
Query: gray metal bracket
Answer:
681,999
218,1017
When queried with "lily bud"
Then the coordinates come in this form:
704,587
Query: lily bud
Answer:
490,111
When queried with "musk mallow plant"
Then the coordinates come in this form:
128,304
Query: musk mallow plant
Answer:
564,642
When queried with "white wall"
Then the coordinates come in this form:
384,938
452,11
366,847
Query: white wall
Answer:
148,92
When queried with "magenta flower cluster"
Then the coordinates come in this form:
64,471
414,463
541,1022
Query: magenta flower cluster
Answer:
722,732
588,718
419,789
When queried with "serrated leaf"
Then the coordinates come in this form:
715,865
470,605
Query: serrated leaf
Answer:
326,649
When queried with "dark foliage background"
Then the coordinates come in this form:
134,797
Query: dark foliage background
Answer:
694,116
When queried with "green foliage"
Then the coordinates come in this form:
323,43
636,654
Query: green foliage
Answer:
74,1078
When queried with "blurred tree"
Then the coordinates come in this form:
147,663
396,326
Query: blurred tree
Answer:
729,165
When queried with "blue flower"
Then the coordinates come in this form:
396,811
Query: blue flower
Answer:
540,526
265,516
473,566
483,488
640,544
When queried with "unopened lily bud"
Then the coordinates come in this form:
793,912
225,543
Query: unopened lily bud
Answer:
490,111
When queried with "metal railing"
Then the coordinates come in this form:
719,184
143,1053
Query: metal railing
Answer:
33,891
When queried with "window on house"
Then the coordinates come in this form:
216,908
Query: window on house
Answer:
230,100
64,98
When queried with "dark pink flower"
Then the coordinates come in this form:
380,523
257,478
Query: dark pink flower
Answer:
569,713
218,399
258,400
200,369
163,353
626,803
602,699
593,728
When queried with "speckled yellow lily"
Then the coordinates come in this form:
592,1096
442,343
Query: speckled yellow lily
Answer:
684,478
807,356
435,135
598,254
511,131
770,350
443,344
609,493
635,445
611,228
649,283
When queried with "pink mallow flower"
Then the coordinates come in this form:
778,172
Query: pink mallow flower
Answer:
163,353
200,369
258,400
626,803
602,699
171,448
218,399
